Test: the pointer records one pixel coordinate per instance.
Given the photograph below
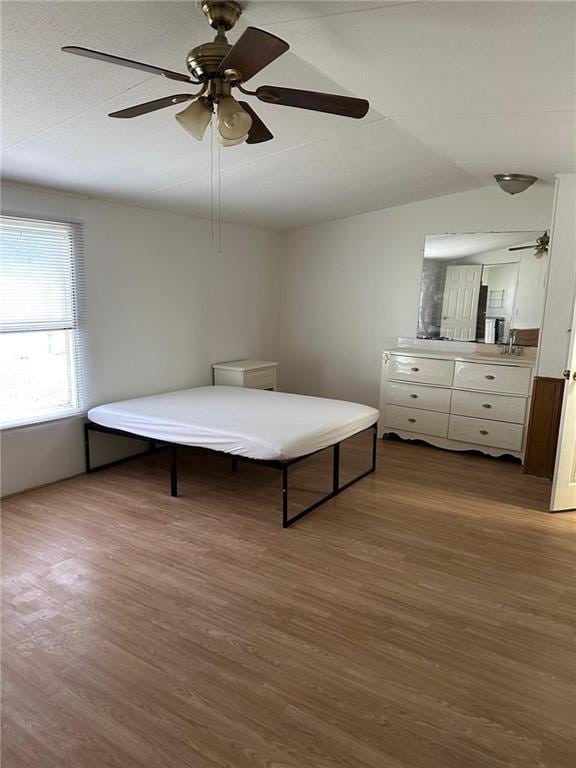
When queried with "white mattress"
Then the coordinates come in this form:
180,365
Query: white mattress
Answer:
246,422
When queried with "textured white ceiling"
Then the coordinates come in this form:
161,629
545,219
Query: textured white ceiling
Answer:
471,89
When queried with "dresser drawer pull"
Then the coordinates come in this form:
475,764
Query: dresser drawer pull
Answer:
415,369
489,377
414,397
486,405
484,432
412,421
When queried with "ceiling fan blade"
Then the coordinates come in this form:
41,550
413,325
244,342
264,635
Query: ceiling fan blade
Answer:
253,51
320,102
88,53
258,133
152,106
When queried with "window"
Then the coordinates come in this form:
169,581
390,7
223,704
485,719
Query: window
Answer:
41,320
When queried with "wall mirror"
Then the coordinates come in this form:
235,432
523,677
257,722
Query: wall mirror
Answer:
480,286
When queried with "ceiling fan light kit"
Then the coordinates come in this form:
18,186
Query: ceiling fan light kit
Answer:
513,183
233,121
196,118
232,142
218,67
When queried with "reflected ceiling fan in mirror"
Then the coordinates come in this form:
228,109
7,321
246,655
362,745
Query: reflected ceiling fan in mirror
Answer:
218,67
540,247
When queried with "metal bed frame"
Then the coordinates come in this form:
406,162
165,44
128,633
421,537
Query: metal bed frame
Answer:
283,466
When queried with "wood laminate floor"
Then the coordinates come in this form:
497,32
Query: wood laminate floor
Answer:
423,619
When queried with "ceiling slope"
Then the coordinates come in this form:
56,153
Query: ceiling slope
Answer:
453,101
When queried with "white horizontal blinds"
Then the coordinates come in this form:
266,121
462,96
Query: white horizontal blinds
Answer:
41,318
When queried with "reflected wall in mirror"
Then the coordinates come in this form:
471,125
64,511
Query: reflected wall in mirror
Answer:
474,288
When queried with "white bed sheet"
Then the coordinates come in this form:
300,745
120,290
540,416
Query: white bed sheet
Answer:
246,422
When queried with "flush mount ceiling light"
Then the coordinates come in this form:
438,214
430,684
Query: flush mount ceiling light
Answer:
218,67
513,183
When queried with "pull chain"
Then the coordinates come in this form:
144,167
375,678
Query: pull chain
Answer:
213,140
219,200
212,179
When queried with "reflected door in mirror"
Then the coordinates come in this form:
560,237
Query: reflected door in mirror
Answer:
460,306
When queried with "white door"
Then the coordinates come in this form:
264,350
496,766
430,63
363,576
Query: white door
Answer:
460,307
564,484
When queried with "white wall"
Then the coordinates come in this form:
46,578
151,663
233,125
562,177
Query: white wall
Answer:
162,306
531,291
561,288
501,277
351,285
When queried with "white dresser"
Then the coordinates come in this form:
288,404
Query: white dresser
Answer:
456,401
256,374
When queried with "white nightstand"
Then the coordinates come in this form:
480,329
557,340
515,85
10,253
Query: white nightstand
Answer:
256,374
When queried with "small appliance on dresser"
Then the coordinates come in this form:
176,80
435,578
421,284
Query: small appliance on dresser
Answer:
256,374
456,400
494,330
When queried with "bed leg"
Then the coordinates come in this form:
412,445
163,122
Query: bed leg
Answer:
174,471
87,447
285,496
374,447
336,469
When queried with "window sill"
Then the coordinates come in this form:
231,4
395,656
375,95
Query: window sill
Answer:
36,421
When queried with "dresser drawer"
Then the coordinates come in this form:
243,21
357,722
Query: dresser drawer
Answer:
496,434
492,378
425,370
416,420
486,405
263,378
419,396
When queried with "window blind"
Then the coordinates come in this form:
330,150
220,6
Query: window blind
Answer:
42,319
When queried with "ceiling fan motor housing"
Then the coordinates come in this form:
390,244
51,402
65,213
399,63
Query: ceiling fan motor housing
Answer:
203,62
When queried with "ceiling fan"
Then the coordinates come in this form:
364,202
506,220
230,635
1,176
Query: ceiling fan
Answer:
541,246
218,67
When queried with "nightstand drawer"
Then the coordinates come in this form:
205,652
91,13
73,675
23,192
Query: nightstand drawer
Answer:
492,378
263,378
486,405
419,396
424,370
496,434
416,420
